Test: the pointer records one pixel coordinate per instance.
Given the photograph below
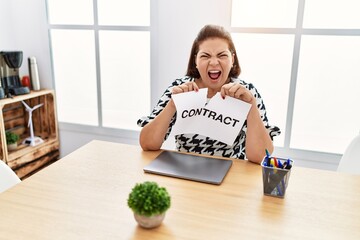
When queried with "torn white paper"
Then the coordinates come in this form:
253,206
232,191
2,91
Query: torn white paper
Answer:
220,119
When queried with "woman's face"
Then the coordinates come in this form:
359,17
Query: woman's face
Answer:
214,62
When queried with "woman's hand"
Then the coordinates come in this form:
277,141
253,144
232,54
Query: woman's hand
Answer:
238,91
186,87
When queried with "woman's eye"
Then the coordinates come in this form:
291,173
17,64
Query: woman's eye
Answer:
223,56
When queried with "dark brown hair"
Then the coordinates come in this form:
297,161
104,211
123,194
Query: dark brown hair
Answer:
212,31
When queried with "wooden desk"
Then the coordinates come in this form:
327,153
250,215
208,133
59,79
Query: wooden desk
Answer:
84,196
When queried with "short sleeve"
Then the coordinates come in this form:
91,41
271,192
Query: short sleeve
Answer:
164,99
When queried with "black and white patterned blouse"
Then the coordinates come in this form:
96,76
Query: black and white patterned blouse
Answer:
204,145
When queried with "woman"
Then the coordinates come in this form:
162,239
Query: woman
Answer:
213,64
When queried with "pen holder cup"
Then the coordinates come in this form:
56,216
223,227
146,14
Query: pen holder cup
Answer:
276,174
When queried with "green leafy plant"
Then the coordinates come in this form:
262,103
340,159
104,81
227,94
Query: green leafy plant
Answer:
11,137
148,199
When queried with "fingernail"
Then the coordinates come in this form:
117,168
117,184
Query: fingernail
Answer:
223,97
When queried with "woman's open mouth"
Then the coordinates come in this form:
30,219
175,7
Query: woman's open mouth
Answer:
214,74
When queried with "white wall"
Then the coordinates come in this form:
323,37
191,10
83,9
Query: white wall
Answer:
25,26
4,19
177,24
70,140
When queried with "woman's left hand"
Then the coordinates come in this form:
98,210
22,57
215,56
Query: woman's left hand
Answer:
238,91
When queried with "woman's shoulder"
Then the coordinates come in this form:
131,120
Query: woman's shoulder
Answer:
182,80
247,85
242,82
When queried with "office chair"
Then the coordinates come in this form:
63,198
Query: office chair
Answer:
350,161
7,177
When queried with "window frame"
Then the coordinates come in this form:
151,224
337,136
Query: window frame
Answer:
100,130
325,160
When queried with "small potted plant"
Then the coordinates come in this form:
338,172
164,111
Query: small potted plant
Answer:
11,140
149,203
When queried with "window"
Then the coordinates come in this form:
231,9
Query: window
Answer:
304,62
101,60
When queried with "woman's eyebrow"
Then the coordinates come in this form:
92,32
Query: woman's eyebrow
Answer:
225,51
204,53
208,54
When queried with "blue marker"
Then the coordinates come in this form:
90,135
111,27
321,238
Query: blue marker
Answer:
268,157
287,164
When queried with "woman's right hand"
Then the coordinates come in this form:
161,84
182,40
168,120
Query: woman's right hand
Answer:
186,87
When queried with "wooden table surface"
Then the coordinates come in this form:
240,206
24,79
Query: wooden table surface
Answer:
84,196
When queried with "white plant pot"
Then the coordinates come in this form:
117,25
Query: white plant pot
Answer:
12,147
149,222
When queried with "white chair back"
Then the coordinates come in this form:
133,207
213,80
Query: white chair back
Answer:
350,161
7,177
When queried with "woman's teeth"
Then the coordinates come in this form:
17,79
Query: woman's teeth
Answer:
214,74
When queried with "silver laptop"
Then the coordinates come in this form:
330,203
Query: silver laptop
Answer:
186,166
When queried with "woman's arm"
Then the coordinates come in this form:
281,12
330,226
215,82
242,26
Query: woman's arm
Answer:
257,137
152,134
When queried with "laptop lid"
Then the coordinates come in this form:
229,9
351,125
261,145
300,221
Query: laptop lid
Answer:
191,167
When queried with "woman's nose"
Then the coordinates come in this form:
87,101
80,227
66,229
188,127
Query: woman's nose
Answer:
214,61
